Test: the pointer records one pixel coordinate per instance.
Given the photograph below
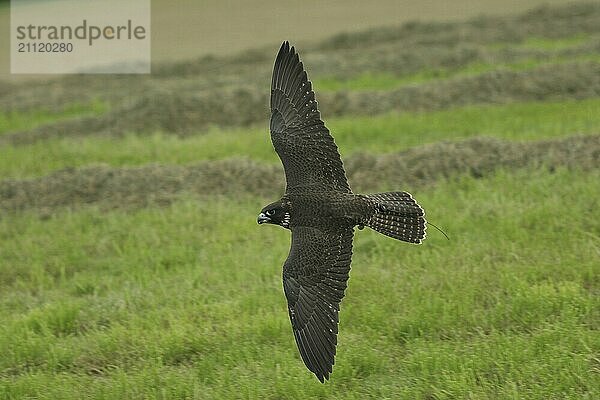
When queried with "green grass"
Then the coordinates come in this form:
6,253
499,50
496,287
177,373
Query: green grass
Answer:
21,121
187,301
394,132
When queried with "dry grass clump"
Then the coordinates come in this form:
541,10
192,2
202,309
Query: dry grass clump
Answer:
138,187
552,82
478,157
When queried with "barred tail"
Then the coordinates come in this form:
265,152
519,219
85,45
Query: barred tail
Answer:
398,216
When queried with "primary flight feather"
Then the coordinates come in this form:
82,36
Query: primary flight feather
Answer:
321,211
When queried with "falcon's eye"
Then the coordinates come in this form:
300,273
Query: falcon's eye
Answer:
270,212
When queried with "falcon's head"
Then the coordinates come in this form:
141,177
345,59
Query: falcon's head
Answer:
275,213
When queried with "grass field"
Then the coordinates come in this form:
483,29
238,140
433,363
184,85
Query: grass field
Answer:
187,301
131,265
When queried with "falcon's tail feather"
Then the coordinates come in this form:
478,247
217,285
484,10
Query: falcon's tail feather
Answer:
398,216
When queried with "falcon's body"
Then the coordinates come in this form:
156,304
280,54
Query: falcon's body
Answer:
317,209
321,211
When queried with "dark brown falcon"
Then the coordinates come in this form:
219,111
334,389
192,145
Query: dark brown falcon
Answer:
321,211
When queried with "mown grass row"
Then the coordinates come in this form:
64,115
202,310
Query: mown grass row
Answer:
548,22
389,81
386,133
542,43
187,300
150,185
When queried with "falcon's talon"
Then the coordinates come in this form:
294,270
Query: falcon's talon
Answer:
321,211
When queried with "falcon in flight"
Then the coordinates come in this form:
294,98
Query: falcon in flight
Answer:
321,211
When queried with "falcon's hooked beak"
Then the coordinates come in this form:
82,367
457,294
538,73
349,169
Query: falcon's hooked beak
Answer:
262,218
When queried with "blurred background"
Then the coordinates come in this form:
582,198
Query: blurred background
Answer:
131,265
186,29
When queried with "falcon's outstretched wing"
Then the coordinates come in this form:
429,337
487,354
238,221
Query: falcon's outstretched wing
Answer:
307,150
314,279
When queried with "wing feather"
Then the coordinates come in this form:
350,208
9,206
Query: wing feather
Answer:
307,150
315,276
